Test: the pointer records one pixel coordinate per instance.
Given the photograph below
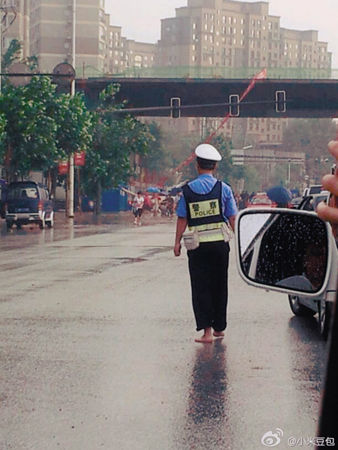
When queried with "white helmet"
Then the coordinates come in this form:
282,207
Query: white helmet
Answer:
207,151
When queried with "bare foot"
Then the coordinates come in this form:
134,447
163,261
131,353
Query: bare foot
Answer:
219,334
204,339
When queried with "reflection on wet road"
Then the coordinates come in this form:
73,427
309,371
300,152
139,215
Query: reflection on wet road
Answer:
208,411
64,229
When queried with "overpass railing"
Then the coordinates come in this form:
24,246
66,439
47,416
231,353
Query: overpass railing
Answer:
211,72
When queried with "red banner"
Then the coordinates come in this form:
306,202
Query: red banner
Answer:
63,167
80,158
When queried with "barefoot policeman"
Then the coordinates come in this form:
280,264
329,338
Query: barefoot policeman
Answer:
206,206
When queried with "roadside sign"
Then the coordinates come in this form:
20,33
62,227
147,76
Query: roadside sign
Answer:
80,158
63,167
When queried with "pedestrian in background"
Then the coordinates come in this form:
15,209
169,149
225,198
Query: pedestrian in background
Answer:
156,204
177,199
147,202
206,206
137,206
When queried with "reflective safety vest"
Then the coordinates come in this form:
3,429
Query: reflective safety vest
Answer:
204,213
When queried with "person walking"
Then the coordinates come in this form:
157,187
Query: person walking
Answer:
206,206
156,204
138,204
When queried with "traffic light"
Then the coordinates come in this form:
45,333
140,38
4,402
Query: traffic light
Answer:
175,104
280,98
234,105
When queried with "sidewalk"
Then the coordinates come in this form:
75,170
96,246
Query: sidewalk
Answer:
124,218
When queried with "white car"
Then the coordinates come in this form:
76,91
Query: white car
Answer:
290,251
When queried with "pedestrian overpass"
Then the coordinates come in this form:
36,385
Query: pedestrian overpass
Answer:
187,97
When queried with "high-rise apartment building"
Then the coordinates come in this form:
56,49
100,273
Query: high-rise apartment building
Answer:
100,47
15,24
124,54
116,44
236,34
51,26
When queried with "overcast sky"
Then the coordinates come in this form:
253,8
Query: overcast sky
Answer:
140,19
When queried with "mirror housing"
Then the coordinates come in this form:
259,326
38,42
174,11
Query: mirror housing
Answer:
286,250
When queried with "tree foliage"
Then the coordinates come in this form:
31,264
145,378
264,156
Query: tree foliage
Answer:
156,158
310,136
74,123
2,136
41,127
115,139
30,131
225,166
12,54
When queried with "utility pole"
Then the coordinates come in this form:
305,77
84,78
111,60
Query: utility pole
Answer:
289,172
70,193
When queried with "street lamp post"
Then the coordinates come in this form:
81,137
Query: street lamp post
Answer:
289,172
70,193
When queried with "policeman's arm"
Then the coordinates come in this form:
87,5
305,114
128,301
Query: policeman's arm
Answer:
181,226
232,220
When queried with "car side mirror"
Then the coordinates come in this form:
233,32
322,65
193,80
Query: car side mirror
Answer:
285,250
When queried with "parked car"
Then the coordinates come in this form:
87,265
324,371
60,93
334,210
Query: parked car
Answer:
261,200
311,201
295,202
313,189
28,202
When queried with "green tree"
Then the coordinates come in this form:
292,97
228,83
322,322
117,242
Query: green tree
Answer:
41,127
115,139
156,158
74,123
12,54
2,136
311,137
30,131
225,166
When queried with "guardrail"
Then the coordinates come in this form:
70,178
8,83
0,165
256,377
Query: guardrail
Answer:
211,72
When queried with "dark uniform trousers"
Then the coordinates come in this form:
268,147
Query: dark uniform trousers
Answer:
208,268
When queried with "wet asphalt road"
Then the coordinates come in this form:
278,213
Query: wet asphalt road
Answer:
97,350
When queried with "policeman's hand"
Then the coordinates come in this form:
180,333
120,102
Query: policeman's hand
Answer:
177,249
330,183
